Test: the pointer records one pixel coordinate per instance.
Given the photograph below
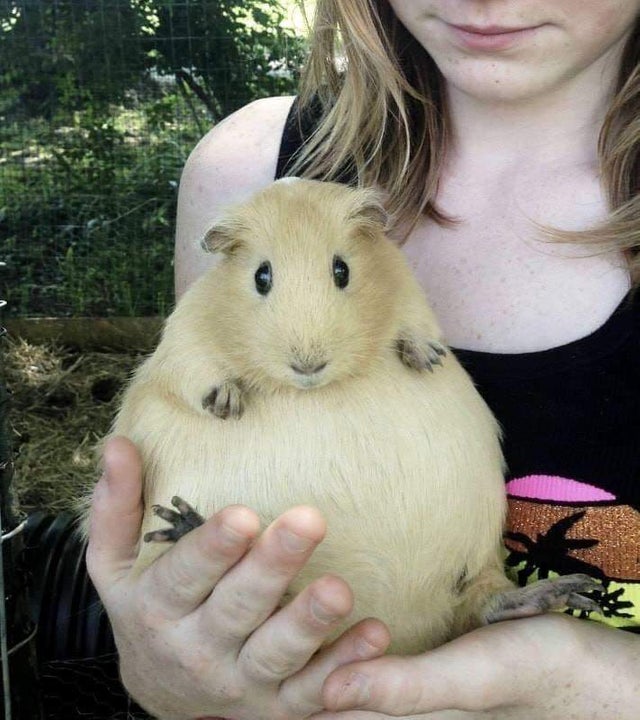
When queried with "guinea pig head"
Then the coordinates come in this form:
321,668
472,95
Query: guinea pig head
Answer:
309,284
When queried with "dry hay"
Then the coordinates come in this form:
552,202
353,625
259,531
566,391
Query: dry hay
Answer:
62,403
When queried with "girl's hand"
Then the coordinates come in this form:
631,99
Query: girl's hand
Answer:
550,667
199,632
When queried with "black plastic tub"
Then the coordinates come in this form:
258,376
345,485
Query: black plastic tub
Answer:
77,655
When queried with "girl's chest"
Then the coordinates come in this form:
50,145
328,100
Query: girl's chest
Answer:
497,286
570,414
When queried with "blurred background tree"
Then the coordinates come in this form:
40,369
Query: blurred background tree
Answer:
227,53
60,55
101,102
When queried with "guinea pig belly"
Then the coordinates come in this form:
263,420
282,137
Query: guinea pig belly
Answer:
405,466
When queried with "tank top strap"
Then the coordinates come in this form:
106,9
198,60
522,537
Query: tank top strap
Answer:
300,125
297,129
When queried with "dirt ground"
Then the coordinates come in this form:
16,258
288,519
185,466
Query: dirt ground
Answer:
62,403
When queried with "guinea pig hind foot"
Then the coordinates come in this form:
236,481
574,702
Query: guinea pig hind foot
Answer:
183,521
419,353
558,593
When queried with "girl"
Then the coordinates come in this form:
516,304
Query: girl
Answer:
490,126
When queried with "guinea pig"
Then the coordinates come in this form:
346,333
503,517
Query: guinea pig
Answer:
307,367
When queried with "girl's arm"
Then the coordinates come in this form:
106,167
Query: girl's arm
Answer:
552,667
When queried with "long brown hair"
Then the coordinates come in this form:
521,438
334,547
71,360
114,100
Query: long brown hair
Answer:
384,115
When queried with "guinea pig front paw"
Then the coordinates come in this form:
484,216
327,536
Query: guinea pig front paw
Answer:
225,400
420,354
183,521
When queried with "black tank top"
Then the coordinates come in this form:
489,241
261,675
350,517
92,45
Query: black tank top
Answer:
571,422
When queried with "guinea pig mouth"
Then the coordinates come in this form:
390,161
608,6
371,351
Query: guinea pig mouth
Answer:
306,383
309,375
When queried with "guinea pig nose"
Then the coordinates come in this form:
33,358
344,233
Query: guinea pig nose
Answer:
308,368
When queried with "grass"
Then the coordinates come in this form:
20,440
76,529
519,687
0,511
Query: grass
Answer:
62,404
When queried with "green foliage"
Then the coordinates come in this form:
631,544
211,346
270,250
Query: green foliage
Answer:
86,221
100,103
226,52
60,55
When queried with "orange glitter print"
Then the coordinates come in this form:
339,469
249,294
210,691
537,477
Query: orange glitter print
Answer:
558,526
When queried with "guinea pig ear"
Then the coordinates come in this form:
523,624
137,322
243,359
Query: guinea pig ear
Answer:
220,238
371,210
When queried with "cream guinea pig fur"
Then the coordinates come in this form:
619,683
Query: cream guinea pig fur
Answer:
334,399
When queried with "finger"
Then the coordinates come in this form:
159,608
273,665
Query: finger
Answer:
253,589
302,692
354,715
401,686
116,514
181,579
284,644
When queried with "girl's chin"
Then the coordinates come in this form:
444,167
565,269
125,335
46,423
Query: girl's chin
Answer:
490,83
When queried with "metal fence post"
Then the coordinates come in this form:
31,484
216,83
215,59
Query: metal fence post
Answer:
20,688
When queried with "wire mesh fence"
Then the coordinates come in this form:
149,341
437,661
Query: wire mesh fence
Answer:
100,103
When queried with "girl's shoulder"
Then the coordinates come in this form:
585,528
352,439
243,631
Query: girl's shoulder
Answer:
243,148
235,159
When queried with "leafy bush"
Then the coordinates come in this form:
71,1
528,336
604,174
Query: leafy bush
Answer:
227,52
86,222
60,56
100,103
57,57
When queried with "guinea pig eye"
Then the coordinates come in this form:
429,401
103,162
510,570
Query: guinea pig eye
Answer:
263,278
340,272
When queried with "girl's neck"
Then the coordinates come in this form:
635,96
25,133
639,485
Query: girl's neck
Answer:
559,127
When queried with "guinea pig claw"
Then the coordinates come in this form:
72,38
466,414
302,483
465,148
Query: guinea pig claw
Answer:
190,514
436,351
565,591
183,521
420,355
585,604
225,400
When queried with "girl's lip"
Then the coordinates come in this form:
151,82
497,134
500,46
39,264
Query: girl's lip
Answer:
490,29
491,37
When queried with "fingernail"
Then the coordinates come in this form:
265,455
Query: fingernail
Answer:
366,649
354,692
231,536
294,543
103,468
321,613
102,486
